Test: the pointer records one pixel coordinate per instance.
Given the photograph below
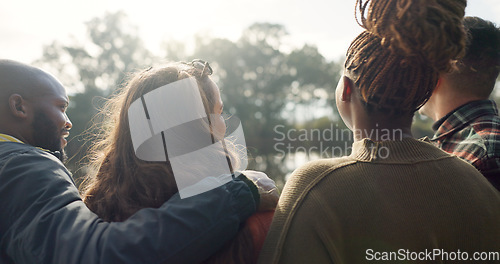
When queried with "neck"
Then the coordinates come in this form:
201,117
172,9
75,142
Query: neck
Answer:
383,129
445,99
446,107
13,134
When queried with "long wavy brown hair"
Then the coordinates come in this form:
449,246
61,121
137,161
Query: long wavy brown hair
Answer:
396,61
119,184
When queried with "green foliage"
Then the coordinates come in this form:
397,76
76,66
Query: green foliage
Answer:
264,85
496,92
421,126
91,69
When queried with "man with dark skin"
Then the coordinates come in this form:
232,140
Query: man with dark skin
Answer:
43,219
37,105
466,122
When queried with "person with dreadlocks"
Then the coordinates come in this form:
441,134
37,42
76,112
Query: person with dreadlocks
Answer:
394,195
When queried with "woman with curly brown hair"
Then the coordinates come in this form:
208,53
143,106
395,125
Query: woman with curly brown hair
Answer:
129,174
394,197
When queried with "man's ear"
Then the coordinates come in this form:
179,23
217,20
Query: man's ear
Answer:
347,89
17,106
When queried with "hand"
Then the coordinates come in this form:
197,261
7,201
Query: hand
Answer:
268,191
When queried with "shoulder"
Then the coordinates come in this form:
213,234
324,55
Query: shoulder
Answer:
28,174
306,178
9,149
32,179
296,190
28,169
485,132
308,175
478,140
27,159
486,125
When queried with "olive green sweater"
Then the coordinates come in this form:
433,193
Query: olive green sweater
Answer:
388,196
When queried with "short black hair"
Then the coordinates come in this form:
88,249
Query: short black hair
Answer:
478,70
483,42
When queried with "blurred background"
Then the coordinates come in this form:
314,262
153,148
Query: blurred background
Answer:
276,62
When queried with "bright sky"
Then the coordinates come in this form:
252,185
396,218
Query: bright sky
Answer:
329,24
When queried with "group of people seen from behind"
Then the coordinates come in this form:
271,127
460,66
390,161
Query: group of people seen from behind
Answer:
388,194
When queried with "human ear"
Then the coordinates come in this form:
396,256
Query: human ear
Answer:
17,106
346,90
438,83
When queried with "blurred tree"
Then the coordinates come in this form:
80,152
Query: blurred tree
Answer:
92,69
422,126
264,86
261,84
496,92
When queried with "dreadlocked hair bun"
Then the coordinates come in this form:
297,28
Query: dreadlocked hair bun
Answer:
396,61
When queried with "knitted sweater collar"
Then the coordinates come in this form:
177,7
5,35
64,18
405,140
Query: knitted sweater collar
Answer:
407,150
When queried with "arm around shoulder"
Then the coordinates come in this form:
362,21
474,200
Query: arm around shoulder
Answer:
44,220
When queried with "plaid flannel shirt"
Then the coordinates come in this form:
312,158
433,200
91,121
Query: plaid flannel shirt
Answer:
472,132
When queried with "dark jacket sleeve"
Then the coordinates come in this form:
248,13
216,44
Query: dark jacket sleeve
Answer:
43,220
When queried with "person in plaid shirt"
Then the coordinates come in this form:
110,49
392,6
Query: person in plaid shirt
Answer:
467,124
